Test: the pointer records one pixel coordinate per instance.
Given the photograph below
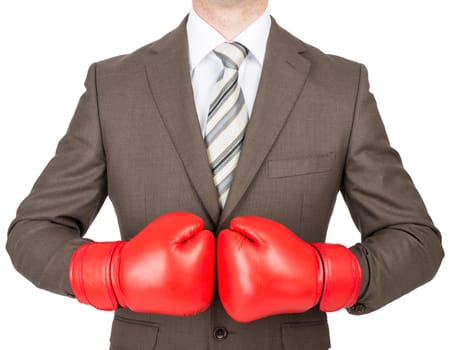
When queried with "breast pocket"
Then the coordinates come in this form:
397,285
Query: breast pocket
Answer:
304,165
128,334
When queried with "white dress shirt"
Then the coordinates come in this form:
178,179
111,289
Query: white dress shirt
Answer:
205,66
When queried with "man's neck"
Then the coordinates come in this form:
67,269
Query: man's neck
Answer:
229,17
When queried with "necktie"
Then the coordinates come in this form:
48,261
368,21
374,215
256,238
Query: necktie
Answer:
227,118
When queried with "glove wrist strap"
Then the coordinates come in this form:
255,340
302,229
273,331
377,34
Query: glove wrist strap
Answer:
342,276
90,274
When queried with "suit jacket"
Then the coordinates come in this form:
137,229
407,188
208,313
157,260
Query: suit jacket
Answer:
314,131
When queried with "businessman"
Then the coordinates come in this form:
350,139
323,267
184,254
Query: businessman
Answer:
222,147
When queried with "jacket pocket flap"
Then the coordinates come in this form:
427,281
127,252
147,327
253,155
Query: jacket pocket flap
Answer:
133,334
309,164
306,335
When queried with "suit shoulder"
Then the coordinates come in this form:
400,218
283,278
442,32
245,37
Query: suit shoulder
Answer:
331,62
324,67
330,72
130,62
317,57
125,63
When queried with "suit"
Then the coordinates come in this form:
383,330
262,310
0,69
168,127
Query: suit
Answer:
314,131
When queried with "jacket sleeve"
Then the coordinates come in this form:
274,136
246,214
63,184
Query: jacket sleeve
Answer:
51,221
400,248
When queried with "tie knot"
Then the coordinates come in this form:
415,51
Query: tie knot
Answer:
232,54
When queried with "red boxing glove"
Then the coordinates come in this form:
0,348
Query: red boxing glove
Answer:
167,268
265,269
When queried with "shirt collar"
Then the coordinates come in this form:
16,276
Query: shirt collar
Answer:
203,38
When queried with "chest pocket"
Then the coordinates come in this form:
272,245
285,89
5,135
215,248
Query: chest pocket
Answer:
308,164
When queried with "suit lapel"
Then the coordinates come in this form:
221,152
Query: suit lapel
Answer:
283,76
170,83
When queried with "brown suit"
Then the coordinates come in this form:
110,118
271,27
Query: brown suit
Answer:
314,131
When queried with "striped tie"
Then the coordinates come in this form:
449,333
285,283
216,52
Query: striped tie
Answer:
227,118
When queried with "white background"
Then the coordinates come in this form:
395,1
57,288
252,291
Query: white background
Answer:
46,47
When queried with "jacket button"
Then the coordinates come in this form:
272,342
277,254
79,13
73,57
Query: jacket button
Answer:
220,333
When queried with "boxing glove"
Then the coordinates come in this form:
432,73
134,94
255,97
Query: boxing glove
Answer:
167,268
265,269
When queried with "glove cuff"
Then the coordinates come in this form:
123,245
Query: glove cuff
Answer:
342,276
90,274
